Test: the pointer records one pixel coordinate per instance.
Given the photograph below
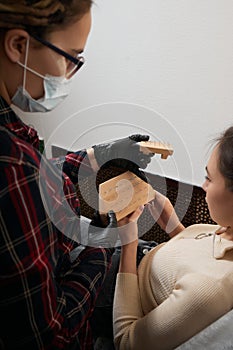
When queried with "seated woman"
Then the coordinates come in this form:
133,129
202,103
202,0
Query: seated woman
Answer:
185,284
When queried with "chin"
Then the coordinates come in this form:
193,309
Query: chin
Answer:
218,222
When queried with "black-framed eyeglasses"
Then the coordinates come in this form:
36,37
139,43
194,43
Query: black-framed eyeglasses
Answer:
75,63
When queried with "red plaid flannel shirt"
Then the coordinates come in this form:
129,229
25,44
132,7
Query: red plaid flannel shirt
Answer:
46,300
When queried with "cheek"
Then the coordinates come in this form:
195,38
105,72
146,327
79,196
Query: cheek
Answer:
46,61
215,204
220,207
51,64
34,85
56,66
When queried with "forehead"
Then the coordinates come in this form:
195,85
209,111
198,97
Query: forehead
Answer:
213,168
213,161
75,34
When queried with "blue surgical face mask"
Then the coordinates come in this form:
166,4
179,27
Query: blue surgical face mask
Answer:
56,89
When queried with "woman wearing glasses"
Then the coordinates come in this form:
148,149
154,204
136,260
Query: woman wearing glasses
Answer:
184,285
48,282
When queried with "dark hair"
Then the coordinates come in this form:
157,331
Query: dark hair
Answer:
225,153
41,17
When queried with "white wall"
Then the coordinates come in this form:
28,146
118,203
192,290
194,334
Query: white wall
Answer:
163,67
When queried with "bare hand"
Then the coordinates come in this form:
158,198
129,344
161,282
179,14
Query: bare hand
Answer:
128,228
164,214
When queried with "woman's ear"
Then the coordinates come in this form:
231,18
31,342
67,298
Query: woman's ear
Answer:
15,42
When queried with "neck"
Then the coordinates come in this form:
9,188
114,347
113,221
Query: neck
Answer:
4,93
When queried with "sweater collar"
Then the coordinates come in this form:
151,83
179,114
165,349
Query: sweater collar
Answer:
201,231
221,246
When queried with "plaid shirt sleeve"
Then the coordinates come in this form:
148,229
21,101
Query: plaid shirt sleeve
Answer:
46,300
75,165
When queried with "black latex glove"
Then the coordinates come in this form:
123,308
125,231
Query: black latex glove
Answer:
103,231
126,150
128,165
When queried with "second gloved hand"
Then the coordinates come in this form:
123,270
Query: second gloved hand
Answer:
127,150
101,235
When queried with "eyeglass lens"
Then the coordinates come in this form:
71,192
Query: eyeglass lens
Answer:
75,63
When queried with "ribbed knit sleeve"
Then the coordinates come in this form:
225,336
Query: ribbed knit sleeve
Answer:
126,298
195,302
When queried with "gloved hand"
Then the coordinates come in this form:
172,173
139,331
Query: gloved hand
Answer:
124,153
101,234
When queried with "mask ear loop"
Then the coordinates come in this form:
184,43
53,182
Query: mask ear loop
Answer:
25,64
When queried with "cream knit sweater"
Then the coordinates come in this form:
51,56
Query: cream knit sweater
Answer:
179,290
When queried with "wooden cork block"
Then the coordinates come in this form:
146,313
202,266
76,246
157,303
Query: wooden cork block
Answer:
124,194
156,147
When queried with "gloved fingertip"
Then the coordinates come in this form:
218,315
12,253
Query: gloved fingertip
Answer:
143,165
142,138
139,137
110,212
112,216
145,137
149,156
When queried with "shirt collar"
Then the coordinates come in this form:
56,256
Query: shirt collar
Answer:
15,125
221,246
